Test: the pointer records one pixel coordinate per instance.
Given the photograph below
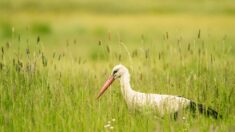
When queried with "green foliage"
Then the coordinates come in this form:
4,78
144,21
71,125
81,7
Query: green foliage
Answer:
41,28
6,30
41,92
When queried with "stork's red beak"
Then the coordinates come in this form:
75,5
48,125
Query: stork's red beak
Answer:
106,85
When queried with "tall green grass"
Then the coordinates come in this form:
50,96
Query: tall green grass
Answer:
43,89
53,64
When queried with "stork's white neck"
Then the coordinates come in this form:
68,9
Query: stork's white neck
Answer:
126,89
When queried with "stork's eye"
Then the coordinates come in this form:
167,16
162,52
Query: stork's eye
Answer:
115,71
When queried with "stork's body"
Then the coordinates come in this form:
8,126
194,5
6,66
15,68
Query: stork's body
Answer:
164,104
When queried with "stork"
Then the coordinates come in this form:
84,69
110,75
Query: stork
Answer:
164,104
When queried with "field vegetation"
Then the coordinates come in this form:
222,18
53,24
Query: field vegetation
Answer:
55,56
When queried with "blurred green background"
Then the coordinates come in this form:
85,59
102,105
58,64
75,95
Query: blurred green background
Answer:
89,21
56,54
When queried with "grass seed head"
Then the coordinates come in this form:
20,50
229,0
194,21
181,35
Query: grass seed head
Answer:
119,57
1,66
7,45
199,34
167,35
108,49
100,42
189,47
74,41
2,50
27,51
38,39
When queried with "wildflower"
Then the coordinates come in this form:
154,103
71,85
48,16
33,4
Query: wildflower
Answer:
113,120
107,126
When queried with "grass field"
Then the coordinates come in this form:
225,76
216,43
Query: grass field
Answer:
56,55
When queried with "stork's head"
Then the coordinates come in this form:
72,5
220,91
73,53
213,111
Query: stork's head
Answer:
117,72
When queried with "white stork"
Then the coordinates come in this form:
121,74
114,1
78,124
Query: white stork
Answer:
164,104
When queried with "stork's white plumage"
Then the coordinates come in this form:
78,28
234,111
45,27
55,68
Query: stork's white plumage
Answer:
164,104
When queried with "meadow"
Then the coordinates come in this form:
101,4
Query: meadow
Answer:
56,55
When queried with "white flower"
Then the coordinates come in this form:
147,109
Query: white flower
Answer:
113,120
106,126
111,127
